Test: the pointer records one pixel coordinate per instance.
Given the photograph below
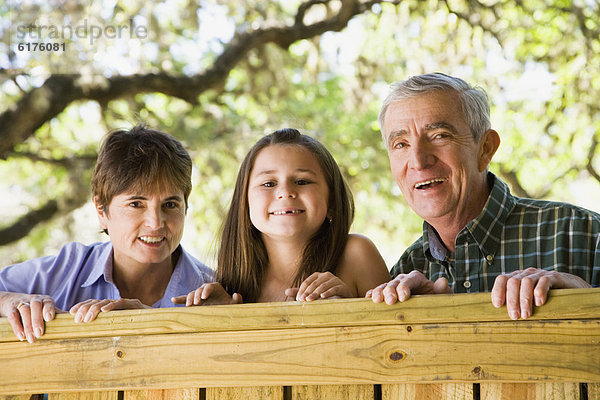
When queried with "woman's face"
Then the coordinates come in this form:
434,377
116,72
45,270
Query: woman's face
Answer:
144,228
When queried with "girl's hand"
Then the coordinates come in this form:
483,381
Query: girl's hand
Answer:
208,294
88,310
320,285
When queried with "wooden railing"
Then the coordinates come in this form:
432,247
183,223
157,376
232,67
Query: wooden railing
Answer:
429,347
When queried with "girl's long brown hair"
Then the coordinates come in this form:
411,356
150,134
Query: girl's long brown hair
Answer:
243,258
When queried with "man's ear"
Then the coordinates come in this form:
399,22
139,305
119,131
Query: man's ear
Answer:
488,144
101,212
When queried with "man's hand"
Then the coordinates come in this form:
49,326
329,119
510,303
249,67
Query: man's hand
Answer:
520,289
26,313
207,295
404,285
88,310
320,285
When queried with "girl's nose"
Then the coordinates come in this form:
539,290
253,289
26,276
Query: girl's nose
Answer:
285,191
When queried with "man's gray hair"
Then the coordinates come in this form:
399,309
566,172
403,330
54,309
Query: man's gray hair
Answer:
474,100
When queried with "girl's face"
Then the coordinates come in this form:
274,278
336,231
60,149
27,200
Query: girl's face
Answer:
287,193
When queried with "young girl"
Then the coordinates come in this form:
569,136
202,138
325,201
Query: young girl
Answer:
286,233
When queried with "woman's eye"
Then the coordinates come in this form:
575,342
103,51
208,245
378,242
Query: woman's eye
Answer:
170,204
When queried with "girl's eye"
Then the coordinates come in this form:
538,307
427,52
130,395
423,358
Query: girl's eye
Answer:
268,184
302,182
135,204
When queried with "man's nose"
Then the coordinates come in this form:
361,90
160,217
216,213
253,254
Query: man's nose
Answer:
421,156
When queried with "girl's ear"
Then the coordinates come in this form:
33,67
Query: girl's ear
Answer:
101,212
488,144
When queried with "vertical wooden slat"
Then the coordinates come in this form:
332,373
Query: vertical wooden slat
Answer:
334,392
245,393
593,391
419,391
102,395
530,391
162,394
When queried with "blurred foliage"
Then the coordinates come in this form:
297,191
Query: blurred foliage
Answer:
538,60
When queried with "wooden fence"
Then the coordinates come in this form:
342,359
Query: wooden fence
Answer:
430,347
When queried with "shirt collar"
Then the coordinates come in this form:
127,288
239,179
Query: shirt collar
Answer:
485,229
103,264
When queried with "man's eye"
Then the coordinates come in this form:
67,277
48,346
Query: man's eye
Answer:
399,145
135,204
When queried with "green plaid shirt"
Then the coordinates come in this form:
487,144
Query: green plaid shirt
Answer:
510,234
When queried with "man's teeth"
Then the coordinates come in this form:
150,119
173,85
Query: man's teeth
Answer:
151,239
429,182
286,212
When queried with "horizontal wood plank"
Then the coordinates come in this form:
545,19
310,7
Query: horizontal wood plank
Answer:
510,351
562,304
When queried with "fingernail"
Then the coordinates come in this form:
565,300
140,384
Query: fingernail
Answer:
21,336
77,318
514,315
30,338
47,317
87,318
38,332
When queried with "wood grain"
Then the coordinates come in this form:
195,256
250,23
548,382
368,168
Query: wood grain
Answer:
475,307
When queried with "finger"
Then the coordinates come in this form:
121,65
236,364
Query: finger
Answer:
499,291
440,286
37,319
179,299
377,293
14,318
302,290
208,291
199,295
513,294
25,312
369,294
83,310
390,295
189,301
526,295
95,309
540,292
48,309
335,291
236,299
321,288
110,305
291,292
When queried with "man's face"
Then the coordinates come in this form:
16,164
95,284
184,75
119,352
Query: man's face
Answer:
435,159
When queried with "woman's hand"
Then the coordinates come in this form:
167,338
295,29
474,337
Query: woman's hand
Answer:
208,294
88,310
320,285
26,313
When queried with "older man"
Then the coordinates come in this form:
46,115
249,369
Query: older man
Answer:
476,235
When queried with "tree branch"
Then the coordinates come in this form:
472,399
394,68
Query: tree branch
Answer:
43,103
